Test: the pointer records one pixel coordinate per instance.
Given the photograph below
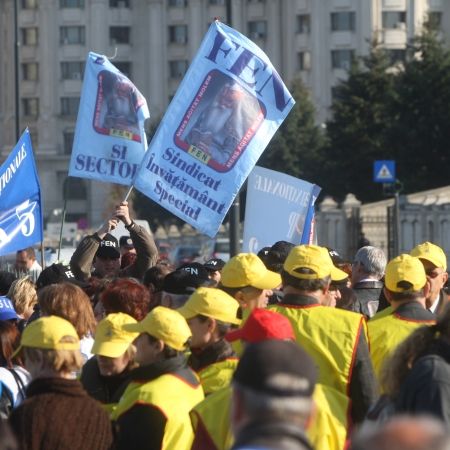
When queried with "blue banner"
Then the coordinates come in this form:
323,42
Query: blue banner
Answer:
227,108
109,141
20,199
278,208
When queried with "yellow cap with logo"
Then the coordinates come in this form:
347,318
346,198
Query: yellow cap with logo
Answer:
211,302
405,273
165,324
49,333
110,338
314,258
246,269
431,252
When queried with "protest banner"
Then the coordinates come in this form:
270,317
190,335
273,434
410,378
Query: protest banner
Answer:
227,108
278,208
21,223
109,141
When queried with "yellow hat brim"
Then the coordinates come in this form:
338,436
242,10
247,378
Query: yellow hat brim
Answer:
110,349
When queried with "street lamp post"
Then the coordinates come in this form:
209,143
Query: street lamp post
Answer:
16,69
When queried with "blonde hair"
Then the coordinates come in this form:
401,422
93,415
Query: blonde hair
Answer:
71,303
56,360
23,294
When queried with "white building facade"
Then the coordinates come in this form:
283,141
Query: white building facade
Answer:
153,42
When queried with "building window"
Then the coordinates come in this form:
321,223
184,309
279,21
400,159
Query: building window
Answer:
30,36
394,20
257,29
29,4
124,67
72,70
119,35
179,3
178,68
69,106
34,136
75,188
30,71
304,60
30,107
72,35
178,34
303,24
68,136
396,55
71,3
343,21
341,59
119,3
435,19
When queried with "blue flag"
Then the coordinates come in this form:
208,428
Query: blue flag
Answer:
20,199
227,108
109,141
278,208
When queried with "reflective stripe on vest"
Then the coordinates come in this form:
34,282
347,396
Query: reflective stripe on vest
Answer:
174,397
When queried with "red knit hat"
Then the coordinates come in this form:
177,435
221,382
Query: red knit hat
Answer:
263,325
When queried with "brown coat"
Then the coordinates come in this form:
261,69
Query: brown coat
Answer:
58,414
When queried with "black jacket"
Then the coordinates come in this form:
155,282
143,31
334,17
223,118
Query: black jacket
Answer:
367,297
426,389
271,436
104,389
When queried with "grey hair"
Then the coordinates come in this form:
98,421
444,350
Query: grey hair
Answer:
259,405
372,259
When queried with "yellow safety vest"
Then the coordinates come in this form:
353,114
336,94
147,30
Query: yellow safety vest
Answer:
211,422
330,336
327,431
328,428
217,375
386,333
174,397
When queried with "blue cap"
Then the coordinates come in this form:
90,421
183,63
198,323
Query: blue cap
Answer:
7,311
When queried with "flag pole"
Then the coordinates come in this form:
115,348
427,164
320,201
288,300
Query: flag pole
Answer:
63,216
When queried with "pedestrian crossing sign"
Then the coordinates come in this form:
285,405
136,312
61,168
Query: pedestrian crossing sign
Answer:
384,171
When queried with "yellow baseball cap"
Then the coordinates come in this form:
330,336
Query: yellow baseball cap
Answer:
165,324
314,258
431,252
211,302
405,269
246,269
110,338
49,333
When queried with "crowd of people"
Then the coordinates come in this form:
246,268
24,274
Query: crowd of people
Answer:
291,349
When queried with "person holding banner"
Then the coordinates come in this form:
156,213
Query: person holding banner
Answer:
101,250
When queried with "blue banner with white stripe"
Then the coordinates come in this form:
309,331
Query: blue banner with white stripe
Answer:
21,223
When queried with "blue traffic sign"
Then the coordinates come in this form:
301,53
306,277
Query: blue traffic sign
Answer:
384,171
